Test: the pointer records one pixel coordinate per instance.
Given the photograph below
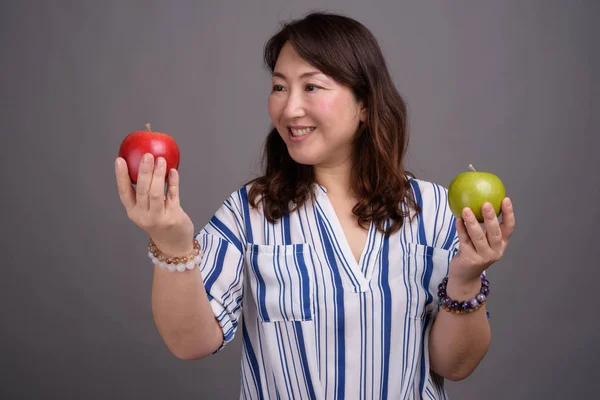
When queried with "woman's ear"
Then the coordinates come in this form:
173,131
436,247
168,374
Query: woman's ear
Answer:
363,114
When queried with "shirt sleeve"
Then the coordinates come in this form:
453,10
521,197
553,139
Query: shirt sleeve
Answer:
437,229
445,235
222,243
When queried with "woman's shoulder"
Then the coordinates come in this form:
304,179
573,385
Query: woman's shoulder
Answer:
241,200
240,196
426,191
431,197
436,220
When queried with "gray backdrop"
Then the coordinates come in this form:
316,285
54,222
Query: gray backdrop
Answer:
509,86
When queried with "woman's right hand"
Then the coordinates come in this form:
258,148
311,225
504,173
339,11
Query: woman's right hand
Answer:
160,216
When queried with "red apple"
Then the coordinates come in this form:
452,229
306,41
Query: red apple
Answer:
138,143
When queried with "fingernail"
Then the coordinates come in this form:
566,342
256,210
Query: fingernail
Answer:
466,212
160,162
507,202
147,158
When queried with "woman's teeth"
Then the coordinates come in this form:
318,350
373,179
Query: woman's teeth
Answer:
301,132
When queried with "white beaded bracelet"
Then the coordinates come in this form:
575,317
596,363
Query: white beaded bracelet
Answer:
172,264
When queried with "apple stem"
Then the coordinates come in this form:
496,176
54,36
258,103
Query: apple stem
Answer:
472,168
148,127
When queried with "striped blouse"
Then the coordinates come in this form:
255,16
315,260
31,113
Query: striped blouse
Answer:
316,324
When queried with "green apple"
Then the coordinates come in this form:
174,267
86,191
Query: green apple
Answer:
473,189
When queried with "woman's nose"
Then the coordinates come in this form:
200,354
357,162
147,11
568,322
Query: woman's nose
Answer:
294,106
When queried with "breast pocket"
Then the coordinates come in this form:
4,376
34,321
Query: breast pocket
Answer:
421,271
279,277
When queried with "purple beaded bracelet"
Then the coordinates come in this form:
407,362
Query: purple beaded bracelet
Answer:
464,307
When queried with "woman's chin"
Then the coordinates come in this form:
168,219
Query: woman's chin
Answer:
304,159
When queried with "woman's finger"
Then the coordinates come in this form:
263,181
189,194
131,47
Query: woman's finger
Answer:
144,180
126,191
492,227
463,235
508,219
173,189
476,233
157,187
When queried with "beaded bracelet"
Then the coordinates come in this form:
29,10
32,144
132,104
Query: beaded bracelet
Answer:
179,264
464,307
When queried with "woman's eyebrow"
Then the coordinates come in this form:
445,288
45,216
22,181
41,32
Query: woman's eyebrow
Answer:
304,75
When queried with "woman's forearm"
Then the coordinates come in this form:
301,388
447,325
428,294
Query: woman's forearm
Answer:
458,343
183,315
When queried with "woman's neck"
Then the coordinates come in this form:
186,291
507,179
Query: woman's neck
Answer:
336,179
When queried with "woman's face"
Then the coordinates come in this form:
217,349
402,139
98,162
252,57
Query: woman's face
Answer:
316,116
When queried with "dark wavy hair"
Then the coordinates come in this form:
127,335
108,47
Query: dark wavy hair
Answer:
347,51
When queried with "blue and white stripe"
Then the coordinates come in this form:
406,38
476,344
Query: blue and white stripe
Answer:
316,323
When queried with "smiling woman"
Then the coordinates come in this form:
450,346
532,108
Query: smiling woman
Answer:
334,261
305,101
356,117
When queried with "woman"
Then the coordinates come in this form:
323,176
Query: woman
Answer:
336,257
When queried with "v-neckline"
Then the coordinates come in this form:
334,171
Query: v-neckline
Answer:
358,273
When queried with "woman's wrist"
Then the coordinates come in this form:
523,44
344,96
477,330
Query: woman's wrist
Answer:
175,250
462,290
466,303
182,262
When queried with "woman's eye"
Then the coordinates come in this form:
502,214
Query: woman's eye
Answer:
277,88
311,88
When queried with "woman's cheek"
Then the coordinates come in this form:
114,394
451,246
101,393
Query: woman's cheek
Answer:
326,106
274,108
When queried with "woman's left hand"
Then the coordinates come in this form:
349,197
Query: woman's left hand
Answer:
481,248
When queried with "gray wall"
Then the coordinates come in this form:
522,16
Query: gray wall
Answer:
509,86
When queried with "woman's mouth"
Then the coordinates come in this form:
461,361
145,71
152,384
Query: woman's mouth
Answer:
297,134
